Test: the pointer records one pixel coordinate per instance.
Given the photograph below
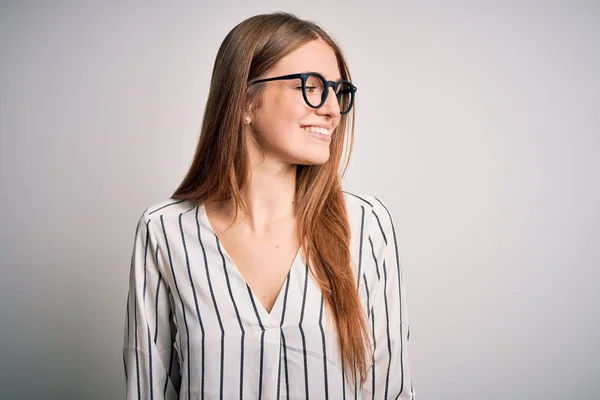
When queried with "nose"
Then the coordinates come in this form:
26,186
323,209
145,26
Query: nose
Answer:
331,106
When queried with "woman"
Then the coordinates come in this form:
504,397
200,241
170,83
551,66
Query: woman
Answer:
260,278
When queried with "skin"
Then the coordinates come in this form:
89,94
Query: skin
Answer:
280,143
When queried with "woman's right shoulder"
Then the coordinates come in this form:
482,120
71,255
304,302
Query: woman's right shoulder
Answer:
166,208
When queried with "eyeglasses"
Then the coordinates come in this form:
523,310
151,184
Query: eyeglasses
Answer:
315,89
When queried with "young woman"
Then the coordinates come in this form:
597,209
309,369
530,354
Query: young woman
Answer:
260,278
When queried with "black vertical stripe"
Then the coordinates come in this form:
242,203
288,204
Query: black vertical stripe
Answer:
144,301
170,365
188,361
374,258
237,314
176,374
398,272
156,309
145,258
187,262
374,349
212,295
150,362
368,297
287,382
303,337
387,317
137,356
380,226
125,367
387,327
279,373
135,312
370,314
156,299
325,381
128,337
360,246
285,362
262,343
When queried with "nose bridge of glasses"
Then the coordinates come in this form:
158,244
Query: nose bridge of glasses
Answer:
330,101
332,84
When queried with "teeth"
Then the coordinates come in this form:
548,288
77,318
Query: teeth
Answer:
316,129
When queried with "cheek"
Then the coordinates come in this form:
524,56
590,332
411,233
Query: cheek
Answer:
289,107
280,117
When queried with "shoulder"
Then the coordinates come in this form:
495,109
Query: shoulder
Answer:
164,209
373,204
357,200
375,210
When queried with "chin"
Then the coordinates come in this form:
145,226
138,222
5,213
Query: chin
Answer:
309,154
314,159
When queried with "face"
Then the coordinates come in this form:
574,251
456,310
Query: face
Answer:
282,124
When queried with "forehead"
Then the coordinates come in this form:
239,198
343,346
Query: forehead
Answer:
314,56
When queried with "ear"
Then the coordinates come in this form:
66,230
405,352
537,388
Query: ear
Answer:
248,113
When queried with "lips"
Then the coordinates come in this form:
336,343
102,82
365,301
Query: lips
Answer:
317,129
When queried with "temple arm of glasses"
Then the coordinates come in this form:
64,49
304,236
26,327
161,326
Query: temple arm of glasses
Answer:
276,78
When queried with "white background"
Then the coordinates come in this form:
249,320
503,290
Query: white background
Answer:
478,124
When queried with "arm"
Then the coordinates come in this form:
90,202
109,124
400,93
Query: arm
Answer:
149,357
388,323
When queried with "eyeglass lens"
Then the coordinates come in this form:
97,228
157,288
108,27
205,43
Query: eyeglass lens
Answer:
315,91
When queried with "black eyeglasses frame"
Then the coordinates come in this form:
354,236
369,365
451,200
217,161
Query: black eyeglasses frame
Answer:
326,84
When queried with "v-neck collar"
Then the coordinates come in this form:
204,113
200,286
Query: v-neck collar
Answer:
267,318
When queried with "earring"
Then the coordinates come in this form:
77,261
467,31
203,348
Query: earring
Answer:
247,119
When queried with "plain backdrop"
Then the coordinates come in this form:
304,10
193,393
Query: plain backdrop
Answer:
478,123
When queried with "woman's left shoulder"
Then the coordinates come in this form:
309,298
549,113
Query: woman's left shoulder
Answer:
370,202
372,210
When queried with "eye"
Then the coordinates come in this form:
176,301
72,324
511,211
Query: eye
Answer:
310,88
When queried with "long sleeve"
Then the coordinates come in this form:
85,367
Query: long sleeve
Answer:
149,356
390,376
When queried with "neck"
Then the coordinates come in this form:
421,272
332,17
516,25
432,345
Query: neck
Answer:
268,195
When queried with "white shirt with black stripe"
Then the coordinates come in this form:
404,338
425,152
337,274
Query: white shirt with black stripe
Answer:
195,330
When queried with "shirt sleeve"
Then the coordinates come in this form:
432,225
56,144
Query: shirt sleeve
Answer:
390,376
149,356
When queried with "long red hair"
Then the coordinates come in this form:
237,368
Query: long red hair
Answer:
220,167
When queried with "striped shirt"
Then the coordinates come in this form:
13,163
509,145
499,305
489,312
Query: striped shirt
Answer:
195,330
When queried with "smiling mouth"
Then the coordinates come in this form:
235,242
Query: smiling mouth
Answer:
318,130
